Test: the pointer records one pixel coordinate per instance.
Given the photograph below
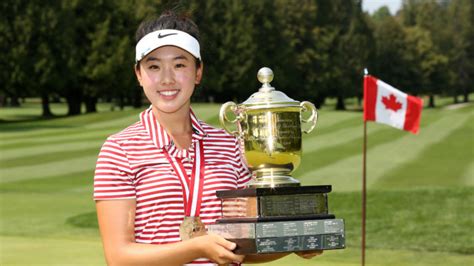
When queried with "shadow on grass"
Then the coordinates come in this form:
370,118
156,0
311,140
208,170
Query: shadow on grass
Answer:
24,123
84,220
29,118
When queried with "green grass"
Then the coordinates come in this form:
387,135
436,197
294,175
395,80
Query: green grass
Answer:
413,220
420,187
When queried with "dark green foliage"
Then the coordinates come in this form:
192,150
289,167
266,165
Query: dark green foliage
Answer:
82,51
228,47
440,46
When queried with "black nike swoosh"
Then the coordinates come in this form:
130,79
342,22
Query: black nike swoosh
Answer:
165,35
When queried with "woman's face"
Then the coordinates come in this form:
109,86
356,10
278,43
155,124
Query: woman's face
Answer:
168,76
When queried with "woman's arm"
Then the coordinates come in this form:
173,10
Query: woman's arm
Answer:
116,224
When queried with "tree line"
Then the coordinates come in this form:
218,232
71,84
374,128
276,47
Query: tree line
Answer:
83,51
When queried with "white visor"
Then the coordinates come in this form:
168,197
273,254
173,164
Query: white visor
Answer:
160,38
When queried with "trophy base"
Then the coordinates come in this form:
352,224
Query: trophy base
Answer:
279,219
273,177
283,236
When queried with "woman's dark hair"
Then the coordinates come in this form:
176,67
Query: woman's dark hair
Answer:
172,21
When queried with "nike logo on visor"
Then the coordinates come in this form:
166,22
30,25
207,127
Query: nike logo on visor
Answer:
165,35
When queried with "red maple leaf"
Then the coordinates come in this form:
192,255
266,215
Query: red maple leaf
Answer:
391,103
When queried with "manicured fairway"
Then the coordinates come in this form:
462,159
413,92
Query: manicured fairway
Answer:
420,201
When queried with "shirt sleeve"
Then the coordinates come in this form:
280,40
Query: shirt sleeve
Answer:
113,177
244,173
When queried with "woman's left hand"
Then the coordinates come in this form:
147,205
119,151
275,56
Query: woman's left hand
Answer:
309,254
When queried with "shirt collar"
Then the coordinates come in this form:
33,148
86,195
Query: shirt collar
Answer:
158,134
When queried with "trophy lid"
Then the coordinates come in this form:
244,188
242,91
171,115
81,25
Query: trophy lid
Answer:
267,96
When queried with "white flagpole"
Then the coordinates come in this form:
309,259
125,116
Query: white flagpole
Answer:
364,182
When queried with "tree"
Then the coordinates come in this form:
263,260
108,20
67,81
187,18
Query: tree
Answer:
228,48
109,64
77,21
293,48
381,14
461,51
350,49
16,26
390,61
427,21
359,47
44,51
272,46
421,53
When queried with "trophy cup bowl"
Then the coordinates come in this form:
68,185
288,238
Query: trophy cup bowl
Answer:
269,124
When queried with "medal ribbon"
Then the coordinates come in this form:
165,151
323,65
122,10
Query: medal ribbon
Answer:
192,189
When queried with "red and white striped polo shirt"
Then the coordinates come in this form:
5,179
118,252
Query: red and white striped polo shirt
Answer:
132,165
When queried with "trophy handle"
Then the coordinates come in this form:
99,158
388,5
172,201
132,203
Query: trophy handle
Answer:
223,117
313,118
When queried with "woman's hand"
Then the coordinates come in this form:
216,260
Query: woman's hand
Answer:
309,254
217,249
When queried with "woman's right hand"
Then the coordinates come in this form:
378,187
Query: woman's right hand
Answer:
217,249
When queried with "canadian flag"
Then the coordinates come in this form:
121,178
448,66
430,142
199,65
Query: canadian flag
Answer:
385,104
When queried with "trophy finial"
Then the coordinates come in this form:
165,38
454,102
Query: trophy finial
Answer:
265,76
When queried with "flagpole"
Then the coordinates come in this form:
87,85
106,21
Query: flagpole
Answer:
364,181
364,191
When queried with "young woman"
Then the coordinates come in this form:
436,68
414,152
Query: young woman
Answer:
155,181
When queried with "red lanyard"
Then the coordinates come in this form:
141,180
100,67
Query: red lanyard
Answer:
192,189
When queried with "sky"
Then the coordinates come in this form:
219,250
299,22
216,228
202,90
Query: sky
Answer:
372,5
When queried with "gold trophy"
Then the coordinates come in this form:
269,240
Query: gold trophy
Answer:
269,124
275,213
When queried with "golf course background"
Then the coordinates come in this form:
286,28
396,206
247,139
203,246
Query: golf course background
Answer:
420,208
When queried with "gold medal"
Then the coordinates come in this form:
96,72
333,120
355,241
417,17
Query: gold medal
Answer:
191,227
